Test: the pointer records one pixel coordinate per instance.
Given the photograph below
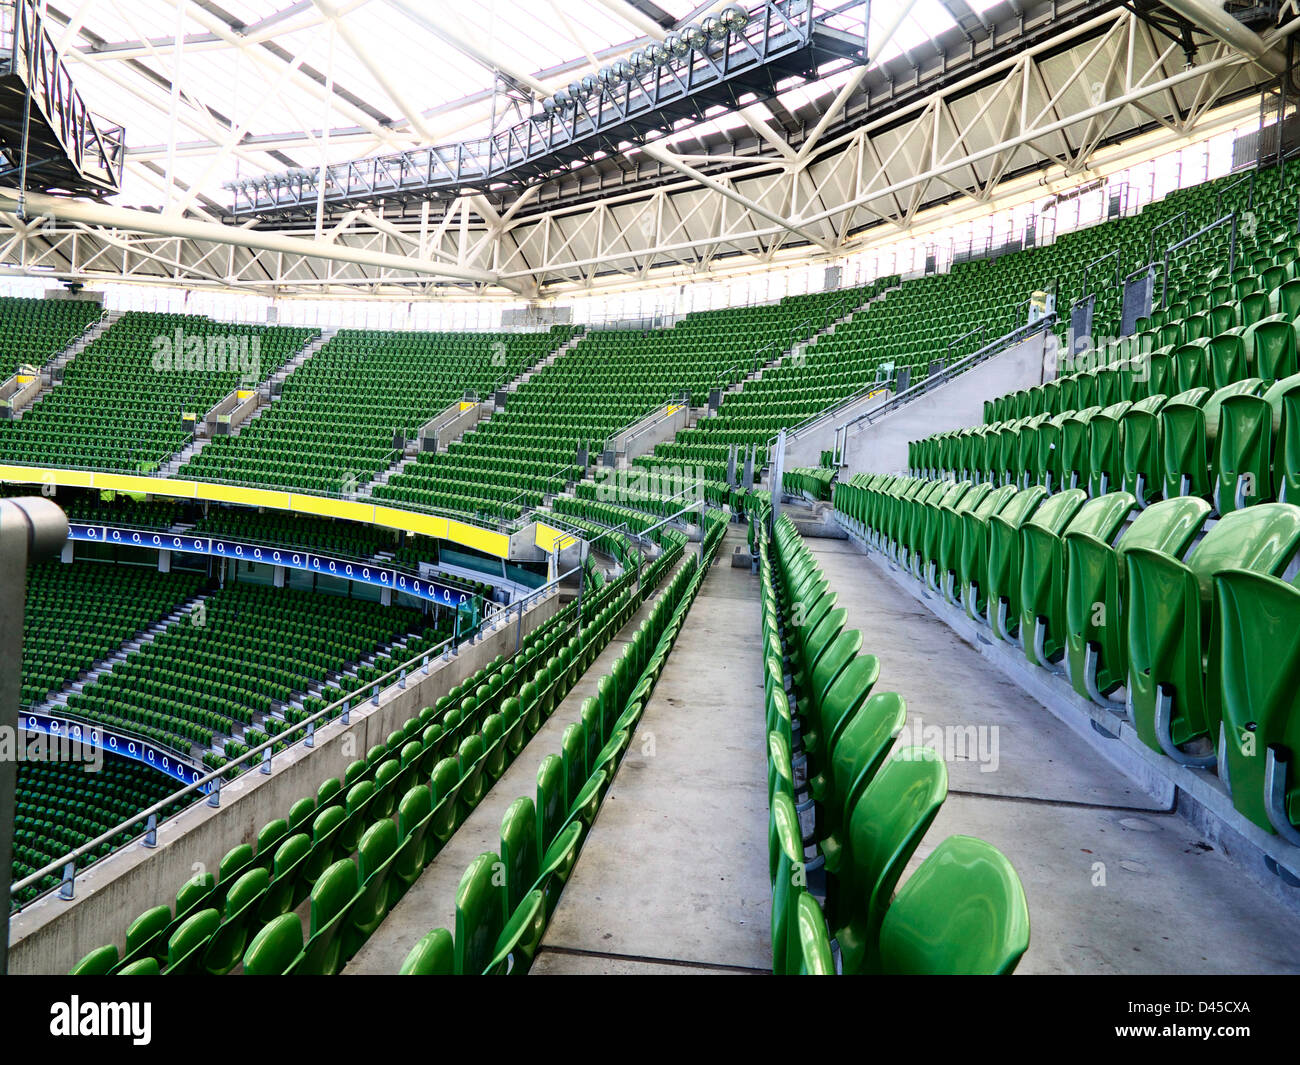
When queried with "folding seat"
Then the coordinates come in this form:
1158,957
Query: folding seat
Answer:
331,901
326,846
788,880
195,894
1186,434
885,827
417,847
376,856
862,746
1271,348
963,912
1228,359
999,577
99,962
1172,628
433,955
520,938
557,863
1073,447
943,572
1259,677
1046,470
1105,457
480,915
814,948
1043,567
358,805
275,948
929,524
288,885
226,947
972,557
1096,659
186,946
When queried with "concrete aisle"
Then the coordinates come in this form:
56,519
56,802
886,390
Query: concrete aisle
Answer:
673,877
431,902
1115,884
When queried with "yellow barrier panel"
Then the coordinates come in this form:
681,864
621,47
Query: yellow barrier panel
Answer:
493,543
549,539
351,509
464,406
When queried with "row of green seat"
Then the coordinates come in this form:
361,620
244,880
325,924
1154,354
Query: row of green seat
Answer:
33,331
120,406
963,910
433,770
78,614
1162,602
812,481
500,920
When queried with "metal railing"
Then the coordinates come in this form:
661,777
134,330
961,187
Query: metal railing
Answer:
1226,220
264,753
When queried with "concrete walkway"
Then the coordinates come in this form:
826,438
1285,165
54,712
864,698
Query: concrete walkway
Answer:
1115,883
431,901
673,877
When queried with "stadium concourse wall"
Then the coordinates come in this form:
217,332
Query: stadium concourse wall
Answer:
51,934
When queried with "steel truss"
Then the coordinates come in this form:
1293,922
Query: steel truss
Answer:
1056,104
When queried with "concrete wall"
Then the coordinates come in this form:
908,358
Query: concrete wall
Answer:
881,447
51,935
640,439
453,423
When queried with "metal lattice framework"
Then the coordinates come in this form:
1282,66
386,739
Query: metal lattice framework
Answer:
856,165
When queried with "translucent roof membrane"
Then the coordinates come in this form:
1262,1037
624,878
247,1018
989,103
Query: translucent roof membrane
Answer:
404,73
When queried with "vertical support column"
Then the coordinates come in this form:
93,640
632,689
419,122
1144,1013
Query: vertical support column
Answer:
31,529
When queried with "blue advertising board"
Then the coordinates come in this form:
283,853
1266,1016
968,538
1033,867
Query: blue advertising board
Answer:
106,739
347,569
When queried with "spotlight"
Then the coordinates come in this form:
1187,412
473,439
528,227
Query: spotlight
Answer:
695,37
626,72
549,105
561,98
643,61
713,28
657,53
590,86
676,45
735,18
607,76
575,91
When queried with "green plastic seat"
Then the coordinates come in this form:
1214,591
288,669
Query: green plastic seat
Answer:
1096,647
1043,571
433,955
885,827
275,948
1173,636
227,944
1259,674
480,915
963,912
863,745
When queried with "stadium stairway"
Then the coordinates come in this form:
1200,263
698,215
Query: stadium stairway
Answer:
59,701
55,367
673,877
1117,881
270,390
409,457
